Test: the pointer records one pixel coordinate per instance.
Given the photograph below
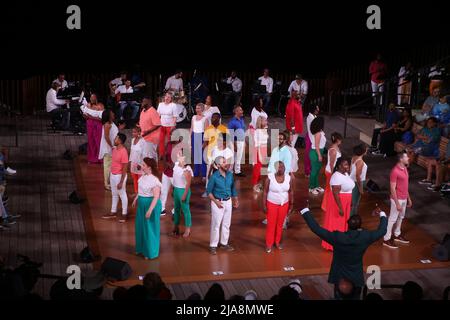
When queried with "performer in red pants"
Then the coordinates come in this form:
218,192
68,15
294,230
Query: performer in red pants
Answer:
278,199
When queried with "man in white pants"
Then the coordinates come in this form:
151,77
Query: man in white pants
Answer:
222,193
400,199
118,178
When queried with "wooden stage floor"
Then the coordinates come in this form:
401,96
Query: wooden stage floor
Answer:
188,260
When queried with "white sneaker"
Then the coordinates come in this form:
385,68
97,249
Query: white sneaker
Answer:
320,189
204,195
10,171
264,221
314,191
173,211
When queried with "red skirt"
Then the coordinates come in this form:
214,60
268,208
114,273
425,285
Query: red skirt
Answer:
333,221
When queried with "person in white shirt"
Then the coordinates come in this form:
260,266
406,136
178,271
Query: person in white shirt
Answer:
278,201
210,109
233,98
109,133
301,86
60,116
167,110
127,88
316,154
334,153
257,112
113,85
267,81
358,174
404,84
222,149
199,123
60,80
175,83
313,113
261,137
338,211
136,156
182,177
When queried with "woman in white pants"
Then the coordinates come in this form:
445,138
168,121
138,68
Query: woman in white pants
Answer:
118,178
109,133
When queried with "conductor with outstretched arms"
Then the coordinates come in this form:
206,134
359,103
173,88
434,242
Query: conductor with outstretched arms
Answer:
349,248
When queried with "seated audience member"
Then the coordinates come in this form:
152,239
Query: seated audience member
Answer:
441,111
387,129
403,129
412,291
373,296
428,106
4,153
215,293
442,166
154,284
60,116
427,141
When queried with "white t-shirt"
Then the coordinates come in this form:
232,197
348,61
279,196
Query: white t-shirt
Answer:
167,113
338,155
268,82
255,115
104,146
136,155
278,192
363,171
323,141
123,89
300,88
227,153
146,184
179,180
261,137
175,84
208,113
198,126
343,180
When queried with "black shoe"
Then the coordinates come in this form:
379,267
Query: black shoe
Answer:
14,216
213,250
227,247
240,174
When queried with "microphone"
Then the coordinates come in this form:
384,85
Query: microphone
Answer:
217,87
195,72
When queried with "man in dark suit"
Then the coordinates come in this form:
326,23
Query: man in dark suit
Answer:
348,249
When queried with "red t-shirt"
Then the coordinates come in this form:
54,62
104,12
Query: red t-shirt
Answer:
119,158
400,176
377,70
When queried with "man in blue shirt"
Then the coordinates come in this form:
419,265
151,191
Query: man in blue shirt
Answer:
441,111
220,190
236,126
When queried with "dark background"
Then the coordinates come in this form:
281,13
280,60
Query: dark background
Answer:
314,36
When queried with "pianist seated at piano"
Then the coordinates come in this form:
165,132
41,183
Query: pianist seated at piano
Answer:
57,108
121,92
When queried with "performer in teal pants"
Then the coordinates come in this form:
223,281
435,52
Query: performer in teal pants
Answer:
147,223
182,176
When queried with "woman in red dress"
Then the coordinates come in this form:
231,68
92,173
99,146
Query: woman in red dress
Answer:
334,153
294,117
94,130
339,207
